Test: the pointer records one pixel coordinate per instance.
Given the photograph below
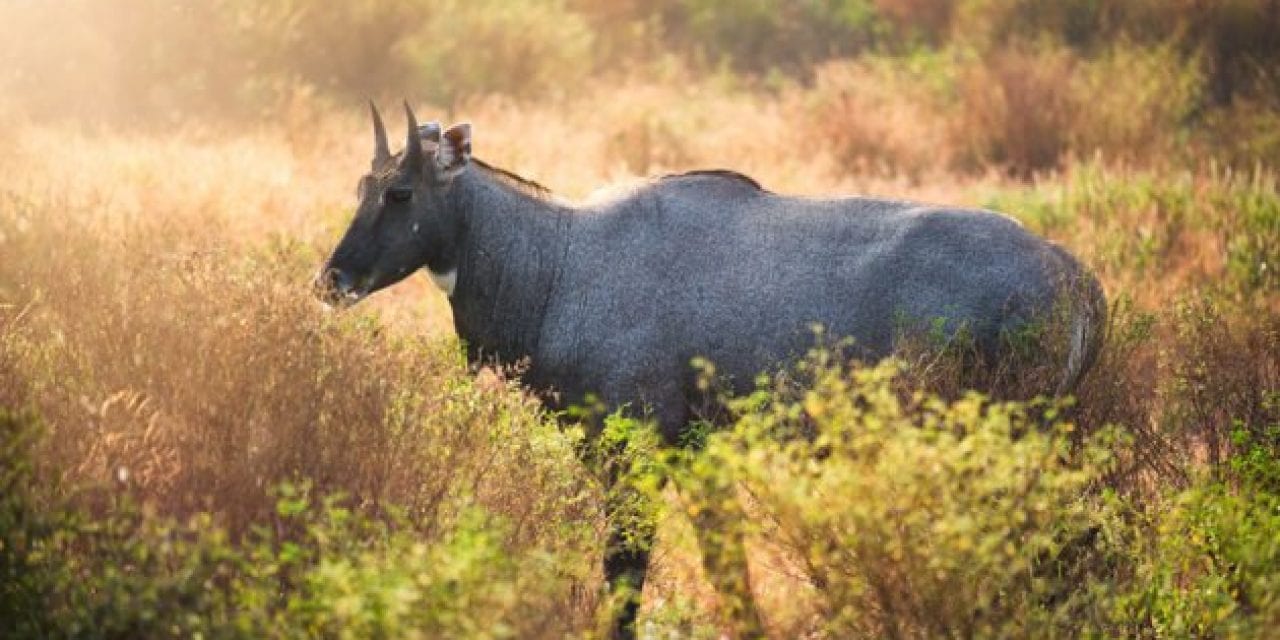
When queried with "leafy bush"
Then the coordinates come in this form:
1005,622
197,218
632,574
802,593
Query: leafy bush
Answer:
222,377
1210,567
1018,110
494,46
1222,386
902,515
1158,234
193,395
911,516
317,569
233,58
25,525
878,116
760,36
1256,459
1143,117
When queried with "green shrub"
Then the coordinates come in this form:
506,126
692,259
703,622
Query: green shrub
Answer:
1142,117
878,116
1017,110
1224,374
1218,230
1209,567
495,46
912,516
175,407
236,58
319,568
759,36
1245,134
25,528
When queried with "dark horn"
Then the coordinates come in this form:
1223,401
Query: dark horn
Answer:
413,143
381,150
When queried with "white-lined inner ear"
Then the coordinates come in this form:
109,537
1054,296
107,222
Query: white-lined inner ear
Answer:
455,149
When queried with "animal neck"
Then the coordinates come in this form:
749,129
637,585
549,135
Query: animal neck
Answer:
511,247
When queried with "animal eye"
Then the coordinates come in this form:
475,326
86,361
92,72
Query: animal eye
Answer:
399,195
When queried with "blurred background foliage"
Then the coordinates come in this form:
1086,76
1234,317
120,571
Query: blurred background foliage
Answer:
1026,81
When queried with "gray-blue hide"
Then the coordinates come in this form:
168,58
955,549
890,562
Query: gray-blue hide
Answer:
615,299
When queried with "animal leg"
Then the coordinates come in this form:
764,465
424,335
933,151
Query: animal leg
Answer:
717,522
626,562
626,558
632,523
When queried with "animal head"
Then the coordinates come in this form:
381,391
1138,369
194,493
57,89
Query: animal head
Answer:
401,222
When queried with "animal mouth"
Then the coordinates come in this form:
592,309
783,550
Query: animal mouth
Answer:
336,294
345,299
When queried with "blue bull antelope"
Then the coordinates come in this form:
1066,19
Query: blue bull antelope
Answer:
613,300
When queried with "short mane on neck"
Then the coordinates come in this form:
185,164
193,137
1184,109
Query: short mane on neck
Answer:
523,184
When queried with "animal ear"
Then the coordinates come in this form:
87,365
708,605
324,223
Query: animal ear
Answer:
455,150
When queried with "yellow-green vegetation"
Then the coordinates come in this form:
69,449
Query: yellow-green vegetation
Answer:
897,514
191,446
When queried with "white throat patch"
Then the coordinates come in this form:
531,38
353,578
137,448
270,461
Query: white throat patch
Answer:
446,281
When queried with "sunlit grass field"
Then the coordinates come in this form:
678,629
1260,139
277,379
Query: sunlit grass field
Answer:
190,444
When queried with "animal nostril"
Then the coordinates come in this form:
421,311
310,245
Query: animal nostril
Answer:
331,283
339,279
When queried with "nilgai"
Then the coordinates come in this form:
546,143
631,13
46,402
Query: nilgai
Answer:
613,300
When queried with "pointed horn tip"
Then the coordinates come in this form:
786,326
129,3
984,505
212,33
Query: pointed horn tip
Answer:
380,149
413,142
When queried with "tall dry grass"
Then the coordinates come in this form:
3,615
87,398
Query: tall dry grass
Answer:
156,316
